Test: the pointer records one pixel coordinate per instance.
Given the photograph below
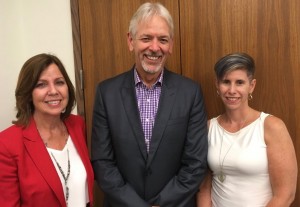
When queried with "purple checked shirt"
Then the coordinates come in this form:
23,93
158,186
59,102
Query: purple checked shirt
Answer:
147,99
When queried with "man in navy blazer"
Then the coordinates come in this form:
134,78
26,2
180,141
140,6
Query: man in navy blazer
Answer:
149,135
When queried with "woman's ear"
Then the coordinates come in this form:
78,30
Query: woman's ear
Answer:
217,84
252,85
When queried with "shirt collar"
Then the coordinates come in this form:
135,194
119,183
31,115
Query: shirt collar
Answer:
138,80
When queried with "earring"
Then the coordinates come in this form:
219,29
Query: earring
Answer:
250,97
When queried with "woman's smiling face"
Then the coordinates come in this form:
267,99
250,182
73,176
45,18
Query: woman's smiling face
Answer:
50,95
234,88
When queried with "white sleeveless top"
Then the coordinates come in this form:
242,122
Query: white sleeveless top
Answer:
77,182
245,165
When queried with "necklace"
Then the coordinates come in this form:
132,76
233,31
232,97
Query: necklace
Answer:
65,177
222,175
47,139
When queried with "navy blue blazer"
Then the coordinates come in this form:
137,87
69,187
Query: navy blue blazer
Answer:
170,174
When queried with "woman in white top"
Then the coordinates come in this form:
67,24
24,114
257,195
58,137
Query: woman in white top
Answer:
251,156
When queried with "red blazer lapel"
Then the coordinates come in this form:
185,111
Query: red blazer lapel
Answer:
40,156
76,129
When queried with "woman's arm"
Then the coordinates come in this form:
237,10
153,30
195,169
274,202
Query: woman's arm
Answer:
282,162
204,194
9,186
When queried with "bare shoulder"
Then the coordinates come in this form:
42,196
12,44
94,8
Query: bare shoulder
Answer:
275,129
273,122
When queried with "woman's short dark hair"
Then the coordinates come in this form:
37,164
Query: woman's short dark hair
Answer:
28,78
235,61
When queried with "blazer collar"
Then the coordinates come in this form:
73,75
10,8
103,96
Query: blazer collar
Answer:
40,156
131,108
166,102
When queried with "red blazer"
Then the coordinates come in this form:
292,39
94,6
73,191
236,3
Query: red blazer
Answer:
27,174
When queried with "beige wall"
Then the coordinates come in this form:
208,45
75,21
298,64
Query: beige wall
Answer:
29,27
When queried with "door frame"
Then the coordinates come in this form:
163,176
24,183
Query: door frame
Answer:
78,67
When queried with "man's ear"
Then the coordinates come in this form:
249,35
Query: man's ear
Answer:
171,46
130,42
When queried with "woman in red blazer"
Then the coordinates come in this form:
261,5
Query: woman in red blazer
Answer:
44,160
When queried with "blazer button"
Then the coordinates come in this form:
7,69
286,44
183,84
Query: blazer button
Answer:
148,172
